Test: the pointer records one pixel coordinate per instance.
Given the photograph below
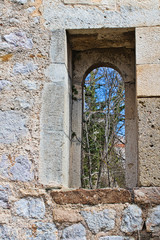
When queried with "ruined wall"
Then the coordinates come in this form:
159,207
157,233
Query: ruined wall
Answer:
35,82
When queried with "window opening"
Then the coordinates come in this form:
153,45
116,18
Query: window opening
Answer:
103,129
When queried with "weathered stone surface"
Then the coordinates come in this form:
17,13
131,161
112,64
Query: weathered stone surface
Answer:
4,193
29,84
58,16
132,219
147,196
28,67
148,141
30,208
18,39
42,231
54,161
58,50
91,197
116,238
153,220
4,84
147,84
20,1
12,126
135,5
147,45
84,39
16,169
109,4
100,221
7,233
21,170
74,232
68,216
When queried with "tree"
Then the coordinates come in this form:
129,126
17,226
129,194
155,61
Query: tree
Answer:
103,129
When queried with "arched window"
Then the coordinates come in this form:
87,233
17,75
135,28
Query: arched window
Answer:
103,129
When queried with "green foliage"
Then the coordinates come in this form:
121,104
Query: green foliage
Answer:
103,125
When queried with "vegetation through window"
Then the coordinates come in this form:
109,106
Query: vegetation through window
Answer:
103,141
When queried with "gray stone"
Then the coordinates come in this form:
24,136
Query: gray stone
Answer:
115,238
31,9
29,84
153,220
7,233
20,1
132,219
24,103
58,16
12,126
18,39
44,231
74,232
30,208
4,192
5,164
4,84
14,21
21,170
20,68
100,221
36,20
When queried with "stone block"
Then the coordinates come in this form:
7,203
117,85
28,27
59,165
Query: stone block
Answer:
131,153
116,238
91,197
147,44
130,98
66,216
24,68
148,84
153,220
30,85
100,221
4,84
12,126
57,73
54,162
40,230
74,232
147,196
132,219
18,39
21,2
58,49
18,169
51,158
8,233
138,5
53,108
30,208
4,194
110,4
148,141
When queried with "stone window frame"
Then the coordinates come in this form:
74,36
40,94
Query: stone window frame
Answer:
59,164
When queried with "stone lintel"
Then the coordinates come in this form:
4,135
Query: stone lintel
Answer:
92,197
147,195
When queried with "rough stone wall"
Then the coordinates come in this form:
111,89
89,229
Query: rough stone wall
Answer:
28,64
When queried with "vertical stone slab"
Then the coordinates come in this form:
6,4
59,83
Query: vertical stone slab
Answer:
76,152
55,116
148,93
131,135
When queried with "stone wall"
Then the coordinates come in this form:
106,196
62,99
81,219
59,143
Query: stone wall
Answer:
106,214
35,120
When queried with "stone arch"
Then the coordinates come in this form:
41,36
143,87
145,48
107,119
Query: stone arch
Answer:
122,60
